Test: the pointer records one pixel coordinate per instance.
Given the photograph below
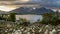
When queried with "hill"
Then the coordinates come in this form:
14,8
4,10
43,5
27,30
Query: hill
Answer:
37,11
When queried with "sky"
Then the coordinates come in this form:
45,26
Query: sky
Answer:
8,5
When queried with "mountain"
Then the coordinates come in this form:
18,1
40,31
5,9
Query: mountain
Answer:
21,10
41,10
37,11
3,12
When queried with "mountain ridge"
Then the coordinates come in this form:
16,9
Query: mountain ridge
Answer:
37,11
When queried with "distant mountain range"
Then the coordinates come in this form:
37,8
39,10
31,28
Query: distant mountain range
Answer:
3,12
37,11
25,10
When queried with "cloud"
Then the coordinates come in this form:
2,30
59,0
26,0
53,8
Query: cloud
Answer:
51,3
7,8
44,3
7,0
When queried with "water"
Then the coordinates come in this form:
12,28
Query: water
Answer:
31,18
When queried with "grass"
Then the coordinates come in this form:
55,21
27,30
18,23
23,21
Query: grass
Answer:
32,28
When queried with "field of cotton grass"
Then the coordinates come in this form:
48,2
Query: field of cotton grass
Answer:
35,28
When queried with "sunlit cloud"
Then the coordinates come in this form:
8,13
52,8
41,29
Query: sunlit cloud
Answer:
23,1
7,8
13,1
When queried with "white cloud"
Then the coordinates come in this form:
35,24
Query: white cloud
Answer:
7,8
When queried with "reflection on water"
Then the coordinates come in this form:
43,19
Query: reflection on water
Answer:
31,18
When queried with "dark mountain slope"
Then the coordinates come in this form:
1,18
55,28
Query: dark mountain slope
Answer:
37,11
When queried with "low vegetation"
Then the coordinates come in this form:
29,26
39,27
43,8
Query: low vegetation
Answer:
51,18
49,25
